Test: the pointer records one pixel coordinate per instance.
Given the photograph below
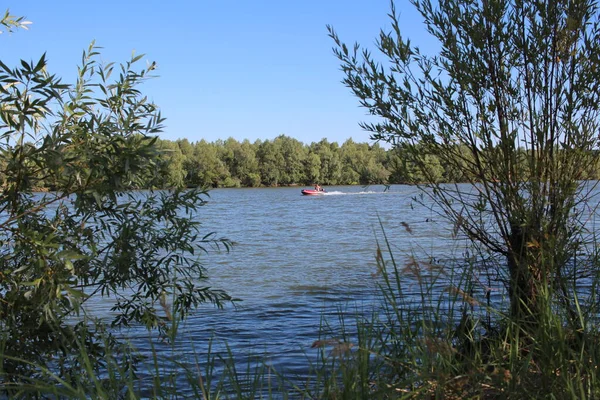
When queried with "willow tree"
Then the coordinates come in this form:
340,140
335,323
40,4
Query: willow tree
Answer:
92,237
512,99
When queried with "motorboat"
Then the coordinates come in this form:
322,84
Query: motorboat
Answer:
312,192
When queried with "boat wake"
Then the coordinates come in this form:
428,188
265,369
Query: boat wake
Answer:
337,193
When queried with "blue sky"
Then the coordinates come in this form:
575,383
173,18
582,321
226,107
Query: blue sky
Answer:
242,69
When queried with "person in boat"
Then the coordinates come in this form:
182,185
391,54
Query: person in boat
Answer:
318,188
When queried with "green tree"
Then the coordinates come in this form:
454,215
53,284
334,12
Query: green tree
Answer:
205,168
171,173
240,159
293,153
247,168
510,76
373,170
313,168
271,162
227,150
187,152
402,167
349,175
186,148
331,167
92,236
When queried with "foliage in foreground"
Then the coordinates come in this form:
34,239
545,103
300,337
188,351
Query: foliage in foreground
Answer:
455,341
92,236
512,99
510,75
440,331
444,332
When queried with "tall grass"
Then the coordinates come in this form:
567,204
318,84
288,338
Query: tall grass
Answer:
440,334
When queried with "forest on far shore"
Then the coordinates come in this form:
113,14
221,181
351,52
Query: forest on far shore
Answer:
286,161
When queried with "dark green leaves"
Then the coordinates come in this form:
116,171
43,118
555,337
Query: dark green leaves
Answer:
92,144
510,103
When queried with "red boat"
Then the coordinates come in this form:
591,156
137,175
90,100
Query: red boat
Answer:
312,192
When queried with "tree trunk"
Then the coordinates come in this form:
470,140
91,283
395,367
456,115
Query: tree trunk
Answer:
524,277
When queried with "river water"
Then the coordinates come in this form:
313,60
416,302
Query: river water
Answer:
300,258
296,260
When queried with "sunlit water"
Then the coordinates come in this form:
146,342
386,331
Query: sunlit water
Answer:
299,259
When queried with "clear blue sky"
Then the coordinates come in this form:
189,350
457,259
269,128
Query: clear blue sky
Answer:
242,69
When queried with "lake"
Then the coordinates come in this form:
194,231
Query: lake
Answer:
296,260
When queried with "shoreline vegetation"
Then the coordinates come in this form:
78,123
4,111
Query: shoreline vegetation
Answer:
448,343
285,161
511,104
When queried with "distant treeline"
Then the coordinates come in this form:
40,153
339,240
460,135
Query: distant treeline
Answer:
286,161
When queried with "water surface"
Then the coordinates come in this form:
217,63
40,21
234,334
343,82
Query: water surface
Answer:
299,259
